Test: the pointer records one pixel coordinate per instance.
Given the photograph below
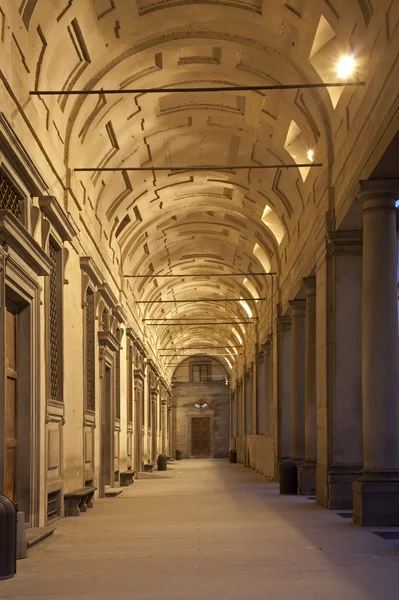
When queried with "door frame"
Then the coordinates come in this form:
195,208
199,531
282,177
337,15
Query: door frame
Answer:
202,418
22,288
107,364
195,414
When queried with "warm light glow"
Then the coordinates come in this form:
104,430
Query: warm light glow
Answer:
229,363
251,288
239,338
272,221
246,308
233,350
311,155
346,67
262,258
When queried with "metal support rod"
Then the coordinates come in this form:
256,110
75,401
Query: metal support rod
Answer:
199,348
200,323
197,168
184,90
206,320
194,301
214,354
171,276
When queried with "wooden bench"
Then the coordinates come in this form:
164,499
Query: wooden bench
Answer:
78,501
127,477
148,467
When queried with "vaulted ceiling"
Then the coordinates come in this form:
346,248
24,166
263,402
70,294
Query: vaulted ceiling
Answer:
187,221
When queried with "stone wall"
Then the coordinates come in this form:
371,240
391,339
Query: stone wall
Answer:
257,452
215,394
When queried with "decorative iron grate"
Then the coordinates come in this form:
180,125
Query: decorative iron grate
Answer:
104,320
53,505
10,197
53,323
90,396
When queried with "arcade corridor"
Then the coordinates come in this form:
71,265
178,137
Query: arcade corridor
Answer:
207,530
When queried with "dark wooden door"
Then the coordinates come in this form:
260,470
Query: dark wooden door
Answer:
10,412
201,436
106,433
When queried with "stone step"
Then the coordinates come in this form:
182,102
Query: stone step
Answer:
113,492
35,535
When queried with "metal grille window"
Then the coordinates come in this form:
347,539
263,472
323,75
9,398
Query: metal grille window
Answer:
130,386
53,505
89,358
10,197
104,320
54,325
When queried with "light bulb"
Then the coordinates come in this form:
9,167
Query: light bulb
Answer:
346,67
311,155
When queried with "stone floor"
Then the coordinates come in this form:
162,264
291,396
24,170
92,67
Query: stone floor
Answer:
207,530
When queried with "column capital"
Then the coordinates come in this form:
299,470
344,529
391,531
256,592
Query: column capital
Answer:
298,307
284,323
379,194
309,283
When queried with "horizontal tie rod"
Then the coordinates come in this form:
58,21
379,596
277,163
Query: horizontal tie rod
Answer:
196,90
200,348
203,354
197,168
171,276
200,323
201,319
194,301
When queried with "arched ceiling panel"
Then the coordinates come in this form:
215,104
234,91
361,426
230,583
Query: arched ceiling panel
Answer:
208,221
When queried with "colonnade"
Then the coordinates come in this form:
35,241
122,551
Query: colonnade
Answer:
332,399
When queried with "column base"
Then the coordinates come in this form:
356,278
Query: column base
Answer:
376,500
334,486
307,478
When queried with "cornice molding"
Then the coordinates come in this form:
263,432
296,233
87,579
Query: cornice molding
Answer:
14,234
62,222
108,295
107,339
88,265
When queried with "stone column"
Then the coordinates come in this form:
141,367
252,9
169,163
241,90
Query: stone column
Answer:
307,476
164,425
268,386
260,408
284,388
376,492
236,407
170,431
254,398
232,416
298,316
247,402
240,409
338,368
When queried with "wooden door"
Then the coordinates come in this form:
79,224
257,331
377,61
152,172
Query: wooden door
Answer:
201,436
10,412
107,458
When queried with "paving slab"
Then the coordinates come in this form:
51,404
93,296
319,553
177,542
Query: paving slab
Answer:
207,530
